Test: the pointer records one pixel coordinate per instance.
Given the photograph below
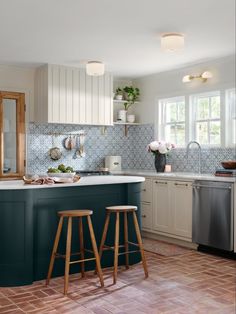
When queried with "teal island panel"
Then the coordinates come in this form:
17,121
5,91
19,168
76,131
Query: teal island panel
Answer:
28,223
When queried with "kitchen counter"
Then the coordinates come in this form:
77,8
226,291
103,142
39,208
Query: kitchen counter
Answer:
28,223
186,176
84,181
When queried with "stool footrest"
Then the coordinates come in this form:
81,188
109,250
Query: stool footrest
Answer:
129,252
132,243
58,255
82,260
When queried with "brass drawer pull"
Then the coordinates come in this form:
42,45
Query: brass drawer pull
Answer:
160,182
143,216
182,184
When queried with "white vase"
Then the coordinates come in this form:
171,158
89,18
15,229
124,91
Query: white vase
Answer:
130,118
122,115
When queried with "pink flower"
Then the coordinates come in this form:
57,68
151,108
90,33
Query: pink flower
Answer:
160,146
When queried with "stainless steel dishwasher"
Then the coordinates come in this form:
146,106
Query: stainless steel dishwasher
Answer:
213,214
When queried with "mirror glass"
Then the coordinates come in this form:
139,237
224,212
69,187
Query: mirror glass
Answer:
9,136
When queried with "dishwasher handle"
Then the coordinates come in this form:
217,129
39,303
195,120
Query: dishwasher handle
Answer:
198,186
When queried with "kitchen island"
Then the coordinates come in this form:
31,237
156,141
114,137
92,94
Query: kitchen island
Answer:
28,223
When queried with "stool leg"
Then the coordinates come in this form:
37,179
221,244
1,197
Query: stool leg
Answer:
54,250
126,240
140,243
116,249
104,234
68,250
95,250
81,240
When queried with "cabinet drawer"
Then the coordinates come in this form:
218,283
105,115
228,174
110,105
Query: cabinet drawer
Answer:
146,215
146,194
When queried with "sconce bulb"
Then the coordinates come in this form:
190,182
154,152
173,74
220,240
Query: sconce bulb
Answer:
186,79
206,75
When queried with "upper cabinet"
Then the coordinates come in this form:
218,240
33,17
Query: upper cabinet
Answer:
68,95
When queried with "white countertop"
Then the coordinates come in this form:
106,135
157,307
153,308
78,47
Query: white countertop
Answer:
84,181
186,176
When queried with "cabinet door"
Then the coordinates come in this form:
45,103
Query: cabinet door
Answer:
146,214
181,208
161,206
146,193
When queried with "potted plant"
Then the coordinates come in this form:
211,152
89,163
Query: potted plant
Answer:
119,94
131,95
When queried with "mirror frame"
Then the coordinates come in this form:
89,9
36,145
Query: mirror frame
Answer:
20,134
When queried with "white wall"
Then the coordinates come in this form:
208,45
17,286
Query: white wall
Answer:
19,79
168,84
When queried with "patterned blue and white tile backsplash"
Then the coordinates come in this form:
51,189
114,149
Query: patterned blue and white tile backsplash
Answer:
132,149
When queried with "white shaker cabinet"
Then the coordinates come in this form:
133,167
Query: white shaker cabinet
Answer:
167,208
161,206
146,204
67,95
181,208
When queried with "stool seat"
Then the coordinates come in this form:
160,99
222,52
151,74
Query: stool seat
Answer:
75,213
121,208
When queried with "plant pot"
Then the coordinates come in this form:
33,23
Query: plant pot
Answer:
130,118
118,97
160,162
128,97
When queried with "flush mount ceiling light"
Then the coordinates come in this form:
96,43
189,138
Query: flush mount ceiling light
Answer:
95,68
172,42
203,77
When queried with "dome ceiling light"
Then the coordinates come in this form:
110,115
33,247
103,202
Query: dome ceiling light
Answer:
172,42
95,68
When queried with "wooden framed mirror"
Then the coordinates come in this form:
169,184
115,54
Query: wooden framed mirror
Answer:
12,135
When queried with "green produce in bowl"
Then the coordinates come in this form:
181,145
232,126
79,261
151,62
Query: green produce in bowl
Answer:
62,168
69,169
53,170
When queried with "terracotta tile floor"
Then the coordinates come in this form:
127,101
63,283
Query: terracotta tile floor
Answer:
189,283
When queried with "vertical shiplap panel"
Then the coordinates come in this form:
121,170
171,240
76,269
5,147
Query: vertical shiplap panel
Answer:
75,82
88,99
50,94
55,117
82,99
69,95
108,99
62,92
101,100
94,91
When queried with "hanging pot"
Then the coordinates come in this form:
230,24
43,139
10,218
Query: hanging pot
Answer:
55,152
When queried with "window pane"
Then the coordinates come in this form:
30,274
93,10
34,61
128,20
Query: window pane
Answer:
215,132
215,107
180,134
170,133
171,112
202,132
181,111
9,135
203,108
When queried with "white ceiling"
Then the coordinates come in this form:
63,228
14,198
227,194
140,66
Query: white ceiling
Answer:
124,34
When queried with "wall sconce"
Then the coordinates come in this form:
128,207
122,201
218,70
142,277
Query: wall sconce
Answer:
95,68
203,77
172,42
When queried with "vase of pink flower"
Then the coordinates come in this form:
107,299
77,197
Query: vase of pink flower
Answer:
160,150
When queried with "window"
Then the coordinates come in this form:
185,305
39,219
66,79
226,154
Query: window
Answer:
206,109
172,117
231,116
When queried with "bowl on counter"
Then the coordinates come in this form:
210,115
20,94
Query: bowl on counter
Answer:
229,164
61,174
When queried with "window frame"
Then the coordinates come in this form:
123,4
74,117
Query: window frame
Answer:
193,117
162,116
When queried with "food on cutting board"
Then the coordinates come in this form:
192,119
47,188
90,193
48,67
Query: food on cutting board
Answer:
61,169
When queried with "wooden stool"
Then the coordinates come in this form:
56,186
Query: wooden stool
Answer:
70,214
125,210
